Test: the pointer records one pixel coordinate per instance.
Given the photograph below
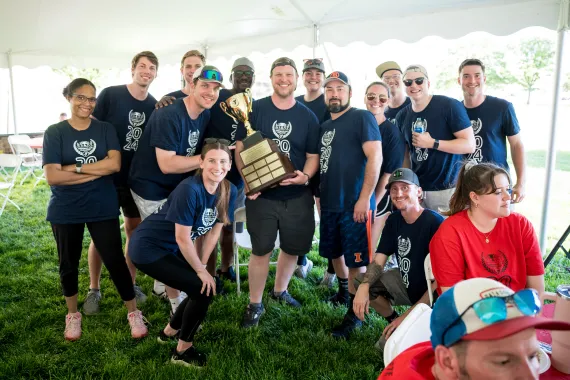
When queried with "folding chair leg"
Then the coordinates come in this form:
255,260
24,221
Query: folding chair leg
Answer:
236,266
25,177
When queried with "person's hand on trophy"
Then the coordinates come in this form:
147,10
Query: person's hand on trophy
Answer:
299,179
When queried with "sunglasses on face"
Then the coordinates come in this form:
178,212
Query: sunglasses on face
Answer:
83,99
419,81
211,140
372,97
313,61
239,73
494,309
211,75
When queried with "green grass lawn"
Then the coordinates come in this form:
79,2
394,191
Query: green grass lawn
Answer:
288,344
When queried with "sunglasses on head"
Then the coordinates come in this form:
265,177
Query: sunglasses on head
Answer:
494,309
313,61
372,97
419,81
212,140
211,75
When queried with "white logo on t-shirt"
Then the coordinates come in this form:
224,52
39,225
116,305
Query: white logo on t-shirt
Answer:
326,149
136,119
85,149
421,154
192,141
404,247
477,125
282,131
209,216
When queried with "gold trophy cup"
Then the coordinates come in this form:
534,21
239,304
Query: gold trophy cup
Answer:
264,165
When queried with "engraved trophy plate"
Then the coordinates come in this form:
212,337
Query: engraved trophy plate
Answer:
264,163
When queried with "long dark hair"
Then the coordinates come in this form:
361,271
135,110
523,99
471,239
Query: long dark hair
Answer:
479,178
224,188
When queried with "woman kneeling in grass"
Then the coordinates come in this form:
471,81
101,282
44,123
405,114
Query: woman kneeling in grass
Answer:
80,156
162,246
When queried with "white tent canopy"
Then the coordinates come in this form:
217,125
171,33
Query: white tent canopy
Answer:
105,33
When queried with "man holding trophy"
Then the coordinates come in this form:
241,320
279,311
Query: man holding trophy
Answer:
277,162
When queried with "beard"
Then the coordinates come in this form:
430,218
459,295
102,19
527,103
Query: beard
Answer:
338,108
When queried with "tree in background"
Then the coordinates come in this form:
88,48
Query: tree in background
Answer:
566,85
536,56
94,75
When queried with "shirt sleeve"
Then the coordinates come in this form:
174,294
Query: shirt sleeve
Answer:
111,138
446,255
370,130
183,205
102,106
312,143
405,133
388,239
532,254
165,130
458,119
393,155
51,152
510,125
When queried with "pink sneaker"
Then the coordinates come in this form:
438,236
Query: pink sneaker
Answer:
138,328
72,326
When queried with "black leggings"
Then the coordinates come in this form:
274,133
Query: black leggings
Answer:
174,271
106,236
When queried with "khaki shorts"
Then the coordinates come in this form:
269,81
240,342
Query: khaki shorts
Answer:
145,206
389,286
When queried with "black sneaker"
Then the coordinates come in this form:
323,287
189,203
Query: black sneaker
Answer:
286,298
229,275
189,358
252,315
340,300
349,323
162,338
220,290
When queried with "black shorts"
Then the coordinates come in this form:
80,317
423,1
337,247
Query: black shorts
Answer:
294,219
341,236
385,205
126,202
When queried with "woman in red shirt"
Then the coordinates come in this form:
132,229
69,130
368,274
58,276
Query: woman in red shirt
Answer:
482,237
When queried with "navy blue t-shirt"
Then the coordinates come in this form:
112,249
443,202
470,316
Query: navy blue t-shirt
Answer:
296,133
129,116
442,118
492,122
342,159
410,243
391,113
169,128
177,94
393,148
318,106
222,126
189,205
90,201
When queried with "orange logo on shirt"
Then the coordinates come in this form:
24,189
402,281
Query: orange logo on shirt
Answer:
358,257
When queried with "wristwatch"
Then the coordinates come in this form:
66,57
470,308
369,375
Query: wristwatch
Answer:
78,167
308,179
436,144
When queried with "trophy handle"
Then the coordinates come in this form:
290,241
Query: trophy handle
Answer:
249,99
224,108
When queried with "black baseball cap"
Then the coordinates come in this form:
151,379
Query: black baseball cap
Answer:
283,61
403,175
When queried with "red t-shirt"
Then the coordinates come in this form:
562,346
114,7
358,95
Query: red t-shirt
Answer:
413,364
459,251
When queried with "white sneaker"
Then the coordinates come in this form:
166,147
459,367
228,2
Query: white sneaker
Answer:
303,270
328,280
159,290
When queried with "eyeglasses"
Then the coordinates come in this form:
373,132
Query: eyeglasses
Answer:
393,77
313,61
211,140
494,309
239,73
419,81
83,99
211,75
382,98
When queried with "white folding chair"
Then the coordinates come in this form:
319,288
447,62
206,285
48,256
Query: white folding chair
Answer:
429,277
13,162
20,145
243,240
317,222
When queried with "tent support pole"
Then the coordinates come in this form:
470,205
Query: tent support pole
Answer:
551,160
315,39
11,73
